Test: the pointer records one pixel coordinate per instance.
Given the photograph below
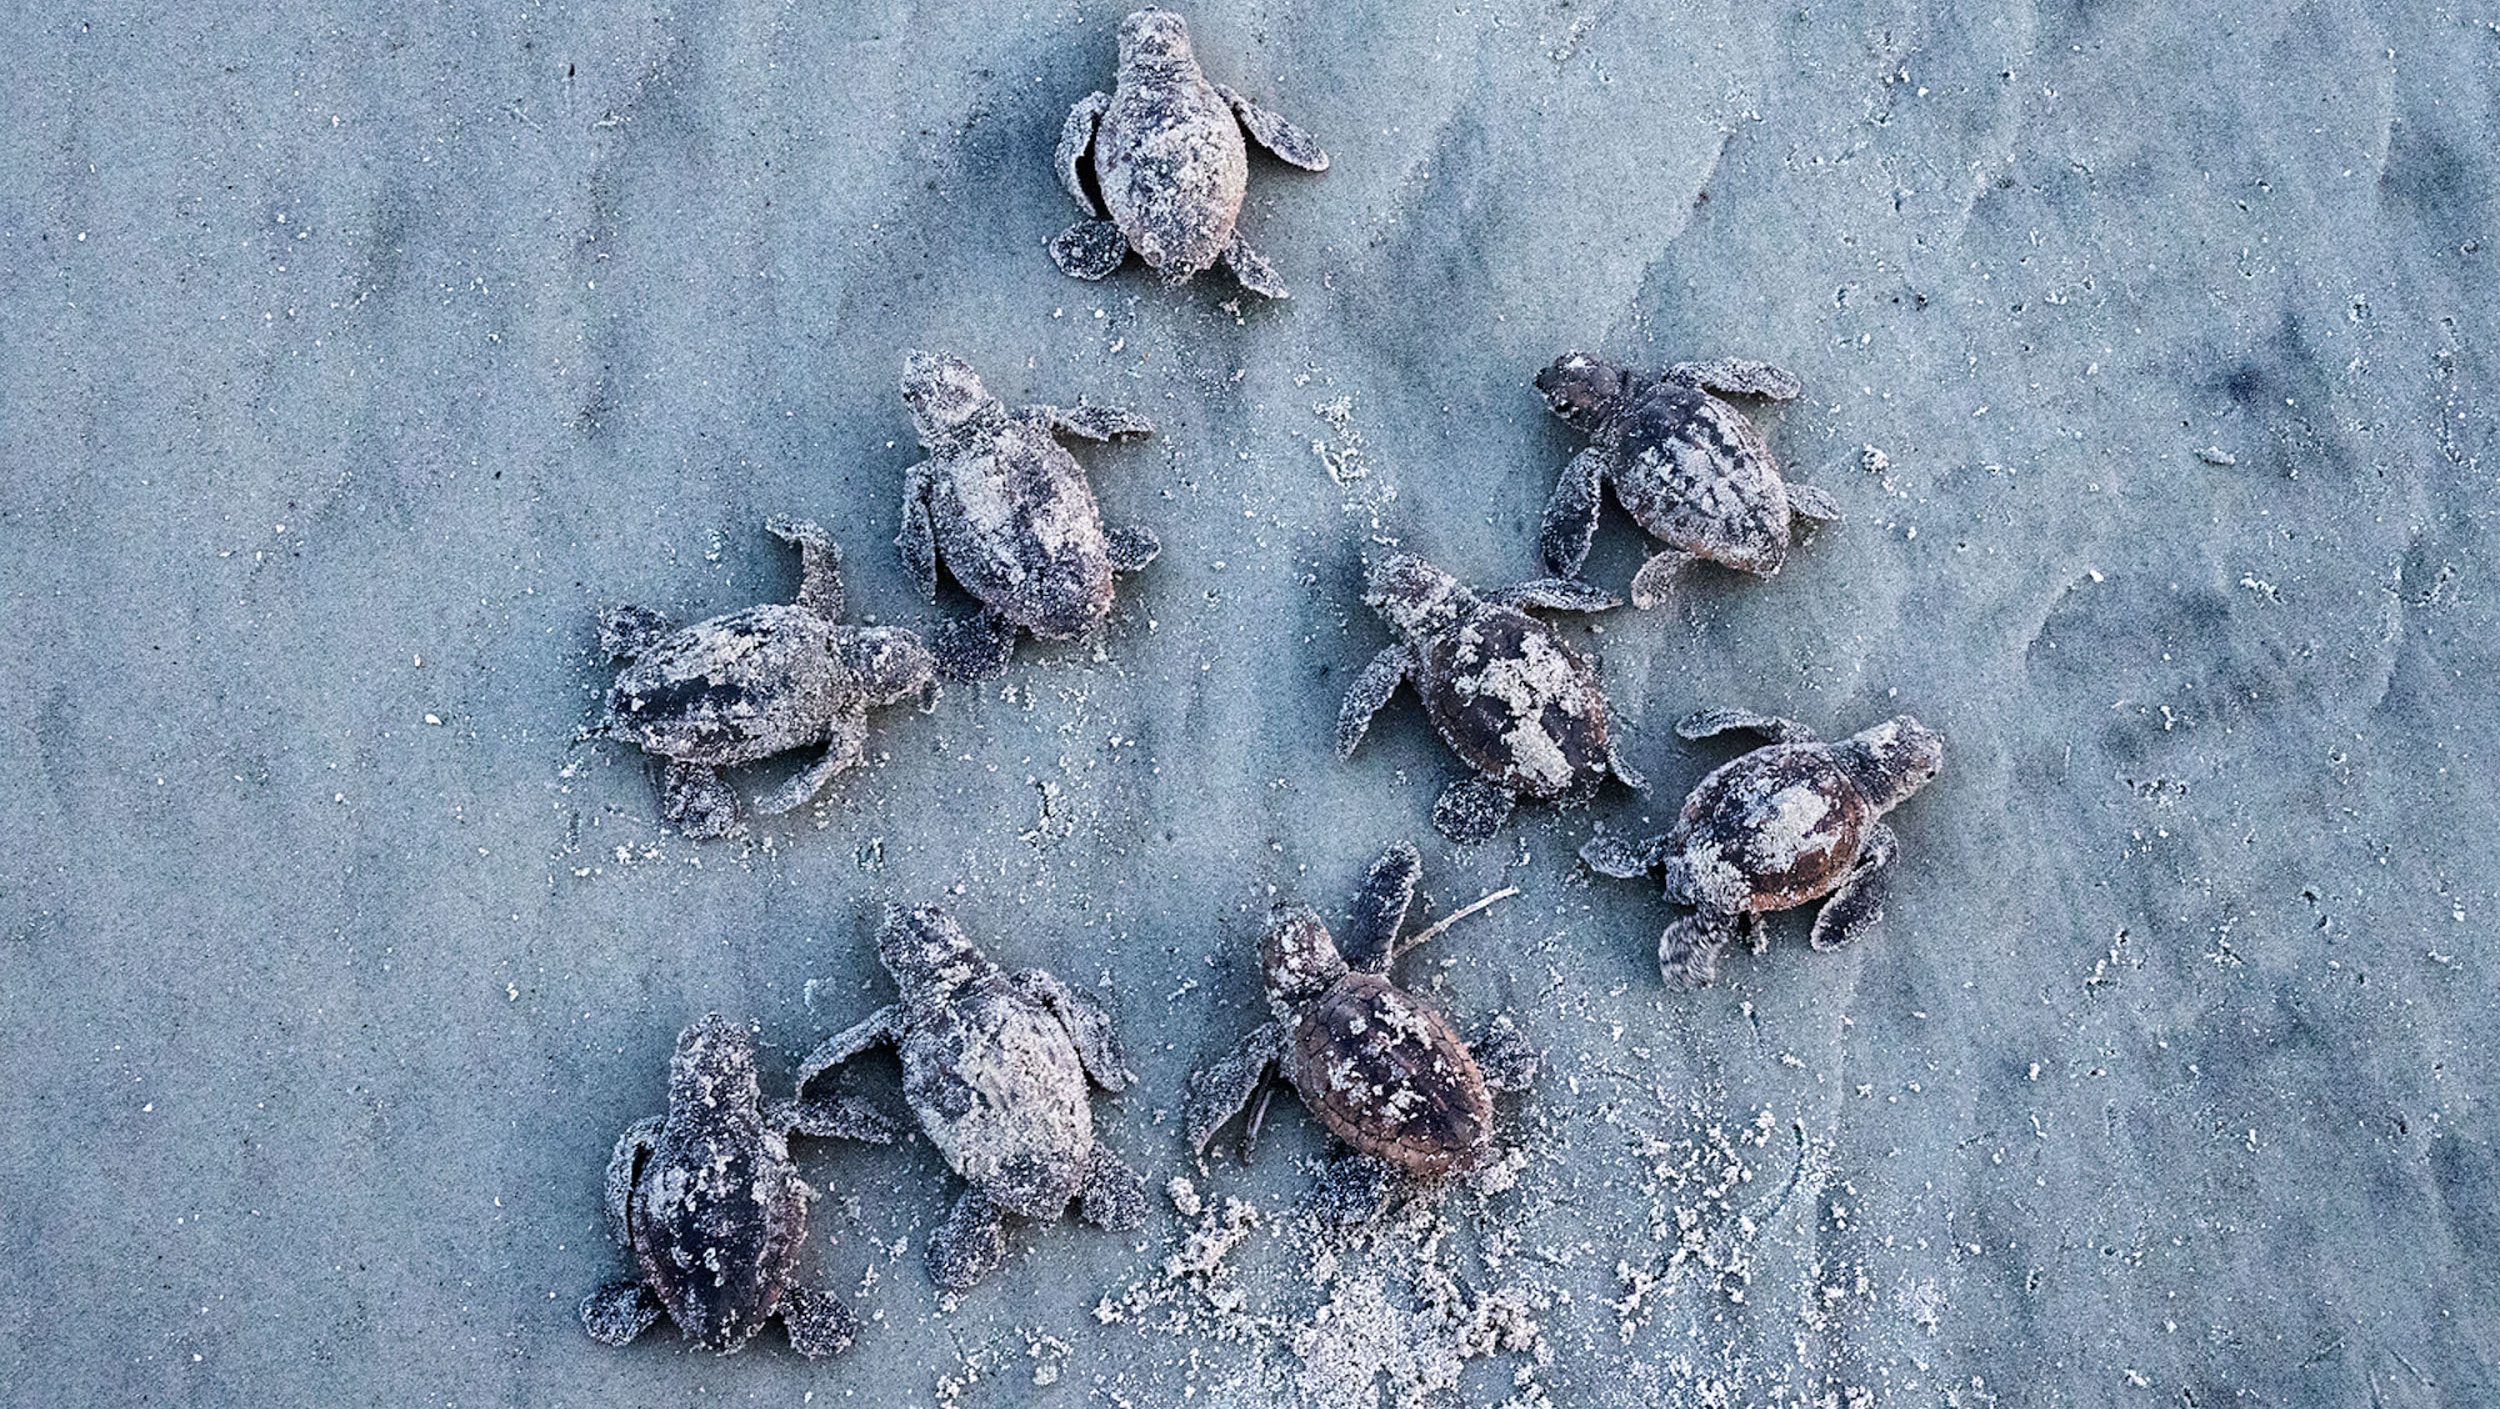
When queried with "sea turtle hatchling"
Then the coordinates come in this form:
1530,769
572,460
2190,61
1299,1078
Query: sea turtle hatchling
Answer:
713,1211
995,1067
1513,700
1785,825
1010,513
1166,154
1690,468
1383,1069
755,683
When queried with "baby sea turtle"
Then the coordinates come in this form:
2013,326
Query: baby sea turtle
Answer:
1009,511
713,1211
755,683
1168,159
1782,826
995,1066
1688,467
1383,1069
1514,701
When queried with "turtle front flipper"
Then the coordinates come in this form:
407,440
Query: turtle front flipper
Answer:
1291,144
1372,689
846,749
624,1166
970,1244
1252,269
1650,584
1380,907
1703,723
819,1322
619,1311
696,802
820,564
1076,138
875,1030
1089,250
1557,594
1609,854
1222,1089
844,1117
974,648
1856,909
627,632
1471,810
918,536
1132,548
1688,950
1503,1055
1095,422
1088,1027
1738,376
1808,502
1114,1195
1570,523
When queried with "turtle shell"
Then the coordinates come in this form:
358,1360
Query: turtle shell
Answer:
1387,1075
1781,823
996,1084
1018,526
1516,703
718,1215
1172,167
1696,473
732,689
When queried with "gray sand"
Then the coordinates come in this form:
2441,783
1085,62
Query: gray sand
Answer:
352,359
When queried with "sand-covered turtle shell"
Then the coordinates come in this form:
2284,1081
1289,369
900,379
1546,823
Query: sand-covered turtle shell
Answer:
1017,524
718,1211
733,689
1697,474
1172,166
1387,1075
1781,824
1517,703
998,1088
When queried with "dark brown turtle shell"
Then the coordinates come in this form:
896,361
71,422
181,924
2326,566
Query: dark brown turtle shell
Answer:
1697,474
1783,820
1517,704
734,689
1387,1075
718,1212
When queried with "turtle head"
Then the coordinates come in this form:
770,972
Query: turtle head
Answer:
1584,390
1417,599
1893,759
1155,41
890,663
1298,956
713,1067
929,954
943,393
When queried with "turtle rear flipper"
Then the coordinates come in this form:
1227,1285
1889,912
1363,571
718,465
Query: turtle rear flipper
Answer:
1132,548
1089,249
627,632
696,802
819,1322
1703,723
1471,810
1808,502
974,648
1650,585
619,1311
1114,1196
1609,854
970,1244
